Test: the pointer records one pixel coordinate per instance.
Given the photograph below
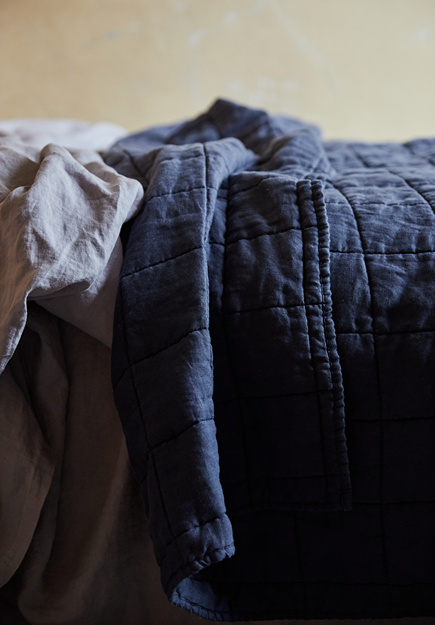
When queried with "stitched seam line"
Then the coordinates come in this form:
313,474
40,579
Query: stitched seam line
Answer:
138,362
255,125
278,177
299,555
207,553
169,346
150,456
423,158
383,253
160,262
368,166
214,122
256,397
266,478
389,333
367,252
192,529
395,503
206,200
411,186
205,258
262,234
174,436
153,197
313,364
379,390
136,167
317,205
393,419
179,160
227,341
298,614
248,310
320,583
129,366
395,204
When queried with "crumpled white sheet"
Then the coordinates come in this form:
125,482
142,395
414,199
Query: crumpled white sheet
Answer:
61,213
69,133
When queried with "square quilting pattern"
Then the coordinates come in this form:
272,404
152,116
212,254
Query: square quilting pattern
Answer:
358,364
338,546
364,449
410,543
257,362
161,288
350,293
403,288
409,466
407,381
265,271
190,398
260,204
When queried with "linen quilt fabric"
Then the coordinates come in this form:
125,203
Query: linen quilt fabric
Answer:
274,346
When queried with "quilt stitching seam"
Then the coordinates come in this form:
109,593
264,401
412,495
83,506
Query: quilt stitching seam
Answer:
223,315
423,158
317,199
192,529
161,262
170,193
394,173
282,477
213,121
300,185
153,355
262,234
432,210
186,564
278,177
174,436
260,308
257,397
423,331
138,403
368,253
378,384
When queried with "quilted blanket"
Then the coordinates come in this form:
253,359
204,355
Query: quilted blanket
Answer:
273,366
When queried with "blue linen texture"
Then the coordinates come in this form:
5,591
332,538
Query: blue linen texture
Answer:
273,366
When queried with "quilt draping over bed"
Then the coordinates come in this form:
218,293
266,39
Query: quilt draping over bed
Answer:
273,361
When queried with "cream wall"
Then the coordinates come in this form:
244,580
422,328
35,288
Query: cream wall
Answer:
358,68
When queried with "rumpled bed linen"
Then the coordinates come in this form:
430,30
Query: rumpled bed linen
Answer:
273,359
73,540
74,545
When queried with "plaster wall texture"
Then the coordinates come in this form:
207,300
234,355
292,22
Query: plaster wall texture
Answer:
358,68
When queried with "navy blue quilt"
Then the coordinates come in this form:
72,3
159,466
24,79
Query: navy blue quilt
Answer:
274,367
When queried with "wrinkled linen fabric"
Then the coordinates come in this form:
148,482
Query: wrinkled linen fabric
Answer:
73,545
272,363
71,514
61,214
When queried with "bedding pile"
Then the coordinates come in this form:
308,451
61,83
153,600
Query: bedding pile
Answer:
272,354
273,365
73,540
